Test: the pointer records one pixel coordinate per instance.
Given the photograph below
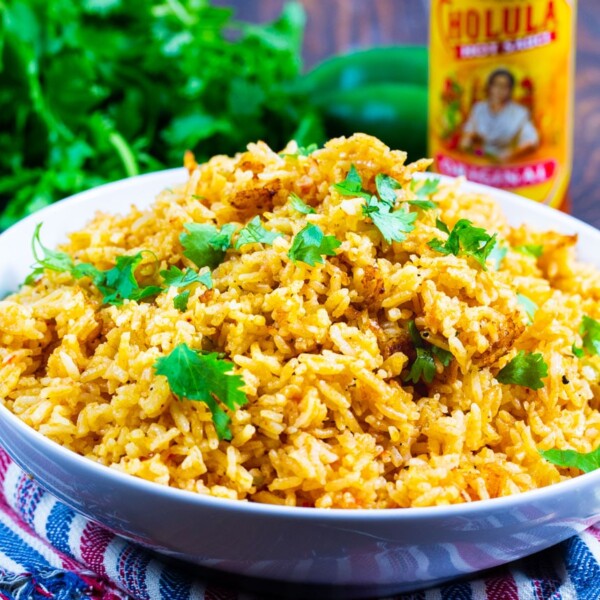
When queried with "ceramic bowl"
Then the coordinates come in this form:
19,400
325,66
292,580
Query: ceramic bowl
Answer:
356,552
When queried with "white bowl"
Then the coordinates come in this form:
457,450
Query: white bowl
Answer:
364,551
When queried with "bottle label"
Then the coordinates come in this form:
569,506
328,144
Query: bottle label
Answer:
501,93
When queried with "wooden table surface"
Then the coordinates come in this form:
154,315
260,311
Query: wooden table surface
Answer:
340,25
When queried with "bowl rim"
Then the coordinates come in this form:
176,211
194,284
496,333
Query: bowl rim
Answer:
461,510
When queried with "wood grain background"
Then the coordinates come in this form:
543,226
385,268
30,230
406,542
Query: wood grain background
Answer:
340,25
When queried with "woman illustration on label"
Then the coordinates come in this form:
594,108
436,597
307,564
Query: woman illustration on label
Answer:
499,127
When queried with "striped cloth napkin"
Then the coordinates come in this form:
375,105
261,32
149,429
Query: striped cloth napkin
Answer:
49,552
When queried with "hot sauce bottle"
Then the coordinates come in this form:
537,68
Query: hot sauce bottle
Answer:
501,93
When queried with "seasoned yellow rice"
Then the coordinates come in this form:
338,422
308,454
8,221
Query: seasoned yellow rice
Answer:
330,421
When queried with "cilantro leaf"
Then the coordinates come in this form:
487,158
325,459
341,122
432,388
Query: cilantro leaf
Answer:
584,461
466,239
386,188
119,283
175,277
300,205
533,250
45,258
205,378
302,151
590,333
424,191
352,185
255,233
529,305
392,225
424,364
204,245
180,301
526,369
311,244
578,352
442,226
498,254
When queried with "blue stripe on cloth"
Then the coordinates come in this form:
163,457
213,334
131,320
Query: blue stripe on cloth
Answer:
583,569
29,495
20,551
173,585
132,568
58,525
457,591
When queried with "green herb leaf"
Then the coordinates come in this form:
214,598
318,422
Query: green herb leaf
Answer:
300,205
529,305
590,333
533,250
302,151
498,254
466,239
45,258
255,233
393,226
180,302
442,226
205,378
311,244
352,185
586,462
175,277
386,188
424,190
424,364
204,245
526,369
119,283
578,352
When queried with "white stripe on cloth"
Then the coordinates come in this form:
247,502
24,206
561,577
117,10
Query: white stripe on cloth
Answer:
75,532
153,573
42,511
11,480
592,543
6,562
111,560
198,591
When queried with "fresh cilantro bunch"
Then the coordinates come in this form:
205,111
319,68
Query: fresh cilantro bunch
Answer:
96,90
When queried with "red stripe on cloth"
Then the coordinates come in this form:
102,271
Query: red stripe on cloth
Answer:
5,462
93,544
501,588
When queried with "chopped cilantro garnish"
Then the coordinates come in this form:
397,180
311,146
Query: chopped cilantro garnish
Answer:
204,245
442,226
300,205
526,369
116,284
529,305
533,250
466,239
386,188
424,190
255,233
311,244
180,301
119,283
302,151
424,364
590,334
498,254
584,461
206,378
175,277
578,352
352,185
392,225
